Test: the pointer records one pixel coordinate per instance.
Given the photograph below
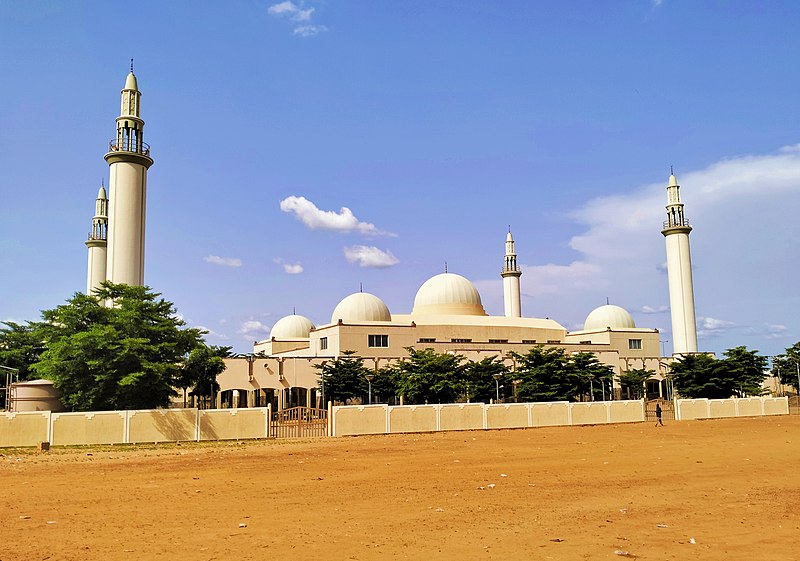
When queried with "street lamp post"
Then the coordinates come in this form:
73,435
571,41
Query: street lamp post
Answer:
497,377
369,381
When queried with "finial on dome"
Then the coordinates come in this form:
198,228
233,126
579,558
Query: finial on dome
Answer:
131,65
361,287
509,228
294,311
445,266
607,302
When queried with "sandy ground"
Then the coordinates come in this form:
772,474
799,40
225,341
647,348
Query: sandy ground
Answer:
725,489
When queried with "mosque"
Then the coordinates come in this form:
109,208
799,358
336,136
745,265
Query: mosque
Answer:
447,314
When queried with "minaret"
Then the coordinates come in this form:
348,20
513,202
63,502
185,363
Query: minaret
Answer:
97,242
128,159
679,270
511,275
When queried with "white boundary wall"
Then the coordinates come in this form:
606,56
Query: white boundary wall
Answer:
353,420
383,419
128,427
688,409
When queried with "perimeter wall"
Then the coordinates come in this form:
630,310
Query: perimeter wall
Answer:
173,425
384,419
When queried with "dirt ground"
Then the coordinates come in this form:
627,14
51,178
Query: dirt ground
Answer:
725,489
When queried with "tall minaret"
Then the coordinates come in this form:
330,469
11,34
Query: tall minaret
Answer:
511,275
679,270
97,242
128,159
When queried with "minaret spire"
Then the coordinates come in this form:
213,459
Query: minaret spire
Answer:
679,271
129,159
511,274
98,242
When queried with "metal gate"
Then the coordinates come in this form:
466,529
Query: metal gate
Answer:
794,405
667,410
299,422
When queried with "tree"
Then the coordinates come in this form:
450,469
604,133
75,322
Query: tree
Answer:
635,380
20,347
785,366
126,355
430,377
343,379
550,374
480,379
201,368
703,376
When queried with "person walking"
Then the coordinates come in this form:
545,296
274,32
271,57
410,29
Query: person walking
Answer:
658,415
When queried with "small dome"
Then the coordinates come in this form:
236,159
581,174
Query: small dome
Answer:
609,316
673,181
101,194
130,82
361,306
291,327
448,294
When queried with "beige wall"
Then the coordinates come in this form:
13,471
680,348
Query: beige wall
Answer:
462,416
590,413
359,419
550,414
102,427
24,429
233,424
507,416
688,409
162,425
414,418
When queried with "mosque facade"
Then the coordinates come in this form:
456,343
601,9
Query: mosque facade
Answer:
447,314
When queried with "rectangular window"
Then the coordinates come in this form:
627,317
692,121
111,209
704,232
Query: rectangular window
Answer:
635,344
427,339
529,341
461,340
378,340
498,340
585,342
553,341
323,343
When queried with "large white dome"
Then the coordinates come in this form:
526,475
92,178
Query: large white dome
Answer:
609,316
291,327
448,294
361,306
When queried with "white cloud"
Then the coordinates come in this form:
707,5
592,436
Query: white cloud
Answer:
253,328
212,333
293,268
657,3
559,279
297,13
315,219
309,30
223,261
370,256
654,309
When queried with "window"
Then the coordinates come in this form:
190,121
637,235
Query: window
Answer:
553,341
427,339
378,340
323,343
529,341
635,344
498,340
461,340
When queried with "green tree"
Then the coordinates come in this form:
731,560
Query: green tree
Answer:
550,374
703,376
20,347
343,379
122,356
635,380
785,366
201,368
430,377
480,379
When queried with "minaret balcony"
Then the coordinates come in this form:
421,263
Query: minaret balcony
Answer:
129,146
673,224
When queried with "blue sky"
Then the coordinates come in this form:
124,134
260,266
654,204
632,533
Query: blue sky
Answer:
436,124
